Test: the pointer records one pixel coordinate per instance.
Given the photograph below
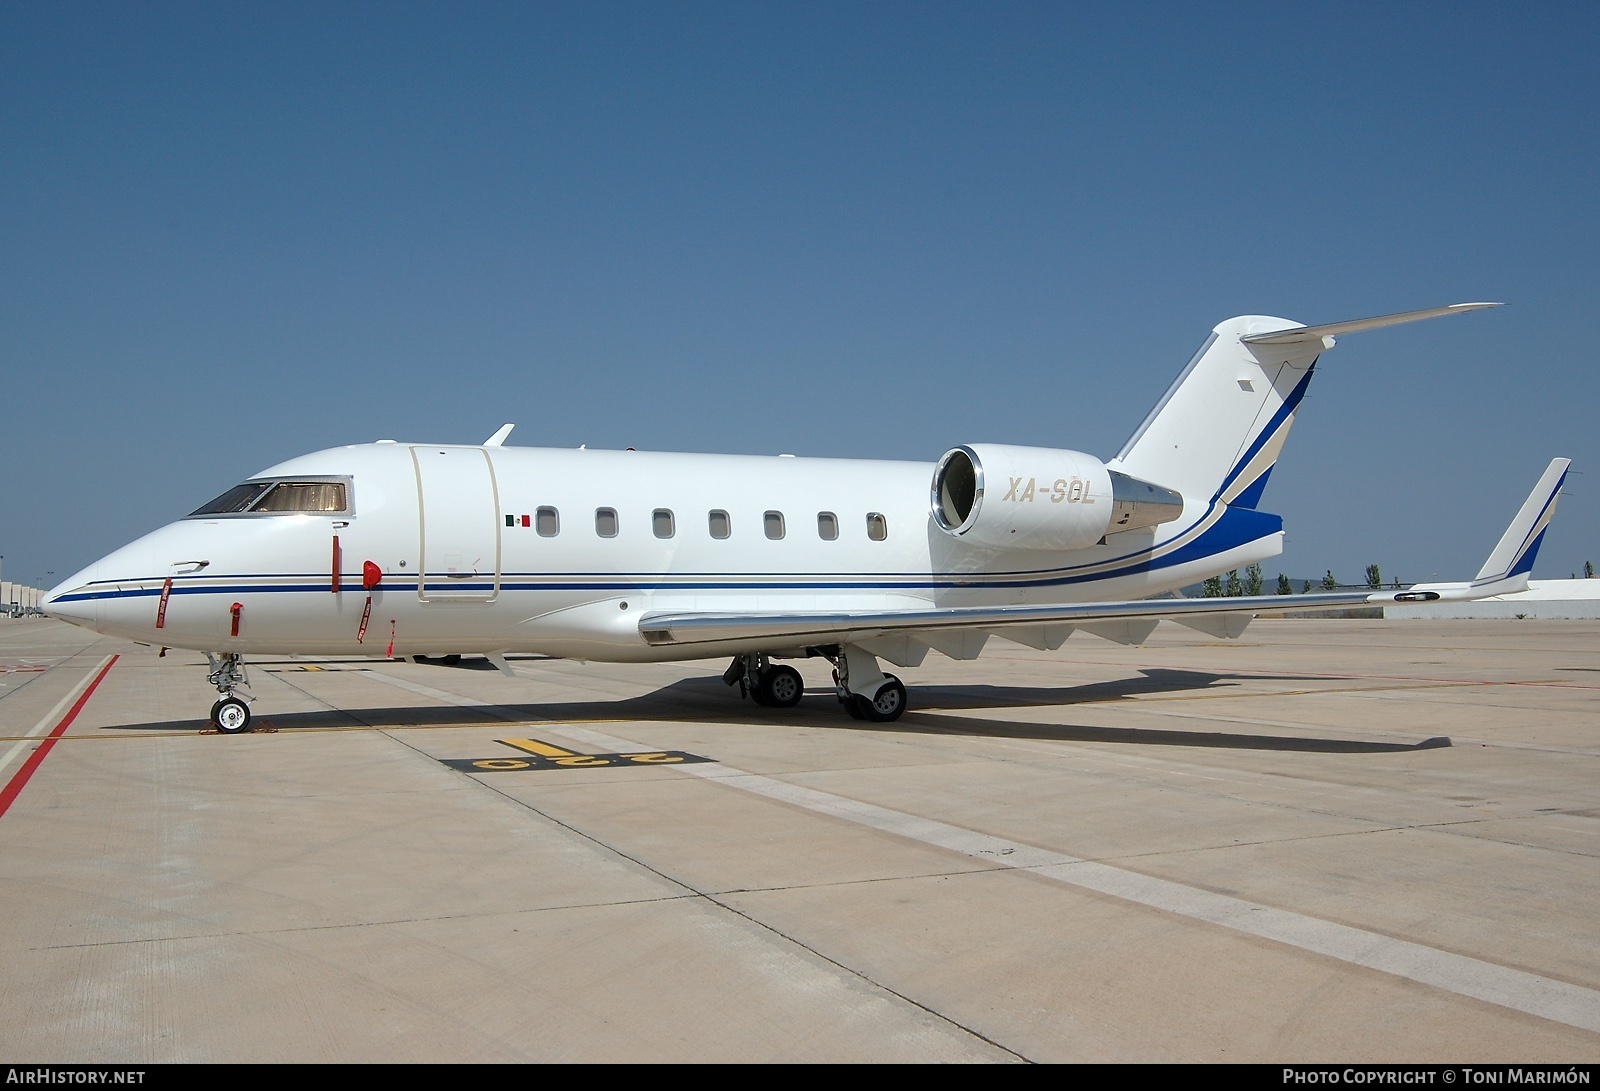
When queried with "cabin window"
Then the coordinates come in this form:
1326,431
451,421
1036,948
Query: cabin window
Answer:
877,526
827,526
720,527
605,522
772,522
281,498
547,521
661,522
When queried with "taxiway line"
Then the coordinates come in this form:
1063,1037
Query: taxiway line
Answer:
76,698
1518,990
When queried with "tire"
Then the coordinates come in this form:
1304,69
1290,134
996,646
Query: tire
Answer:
887,706
781,687
230,716
852,707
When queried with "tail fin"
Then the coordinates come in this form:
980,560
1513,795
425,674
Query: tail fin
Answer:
1217,432
1506,571
1513,555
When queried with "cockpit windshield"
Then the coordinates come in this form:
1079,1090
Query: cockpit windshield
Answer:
279,498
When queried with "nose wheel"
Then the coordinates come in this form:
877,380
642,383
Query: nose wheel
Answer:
231,716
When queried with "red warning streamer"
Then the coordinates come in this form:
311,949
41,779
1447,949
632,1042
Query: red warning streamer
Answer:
390,652
161,607
366,615
336,558
236,609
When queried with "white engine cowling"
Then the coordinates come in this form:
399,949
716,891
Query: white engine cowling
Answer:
1040,498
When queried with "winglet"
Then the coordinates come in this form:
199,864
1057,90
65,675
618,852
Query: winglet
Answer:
499,438
1298,334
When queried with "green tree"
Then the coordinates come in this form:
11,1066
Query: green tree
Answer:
1213,588
1283,585
1329,583
1252,580
1235,588
1588,570
1305,588
1374,578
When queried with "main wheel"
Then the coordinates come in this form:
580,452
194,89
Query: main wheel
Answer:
887,706
230,716
781,687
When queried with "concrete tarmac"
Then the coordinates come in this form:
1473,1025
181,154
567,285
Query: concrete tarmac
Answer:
1329,841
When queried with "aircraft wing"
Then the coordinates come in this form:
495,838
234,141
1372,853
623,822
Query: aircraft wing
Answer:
1046,626
829,628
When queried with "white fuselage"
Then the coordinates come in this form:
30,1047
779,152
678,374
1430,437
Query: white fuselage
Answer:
463,570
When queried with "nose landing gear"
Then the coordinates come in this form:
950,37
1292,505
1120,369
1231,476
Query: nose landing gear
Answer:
230,715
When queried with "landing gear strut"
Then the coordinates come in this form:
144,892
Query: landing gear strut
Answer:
230,715
763,683
864,690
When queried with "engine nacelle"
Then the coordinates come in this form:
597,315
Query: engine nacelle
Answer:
1041,498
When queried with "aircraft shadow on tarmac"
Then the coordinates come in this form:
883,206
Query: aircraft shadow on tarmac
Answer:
708,700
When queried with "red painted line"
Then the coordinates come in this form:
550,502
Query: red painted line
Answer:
14,785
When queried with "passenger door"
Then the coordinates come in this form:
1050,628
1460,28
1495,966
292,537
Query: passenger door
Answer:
458,518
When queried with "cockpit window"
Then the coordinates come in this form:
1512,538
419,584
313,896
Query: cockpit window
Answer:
280,497
321,496
237,499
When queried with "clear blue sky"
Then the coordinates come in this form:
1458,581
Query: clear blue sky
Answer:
230,234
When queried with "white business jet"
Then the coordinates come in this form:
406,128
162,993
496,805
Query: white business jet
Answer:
398,549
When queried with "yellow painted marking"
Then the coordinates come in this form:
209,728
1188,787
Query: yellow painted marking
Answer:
534,746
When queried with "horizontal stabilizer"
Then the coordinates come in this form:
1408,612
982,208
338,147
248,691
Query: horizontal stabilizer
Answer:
1300,334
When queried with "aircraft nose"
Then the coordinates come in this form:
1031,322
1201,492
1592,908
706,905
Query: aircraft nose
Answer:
69,600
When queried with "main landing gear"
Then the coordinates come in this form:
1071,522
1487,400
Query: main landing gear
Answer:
763,683
865,691
230,715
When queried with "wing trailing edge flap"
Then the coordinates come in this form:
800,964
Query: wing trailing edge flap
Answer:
1125,631
901,649
1046,638
1221,626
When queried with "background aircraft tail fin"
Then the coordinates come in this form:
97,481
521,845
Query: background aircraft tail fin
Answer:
1512,558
